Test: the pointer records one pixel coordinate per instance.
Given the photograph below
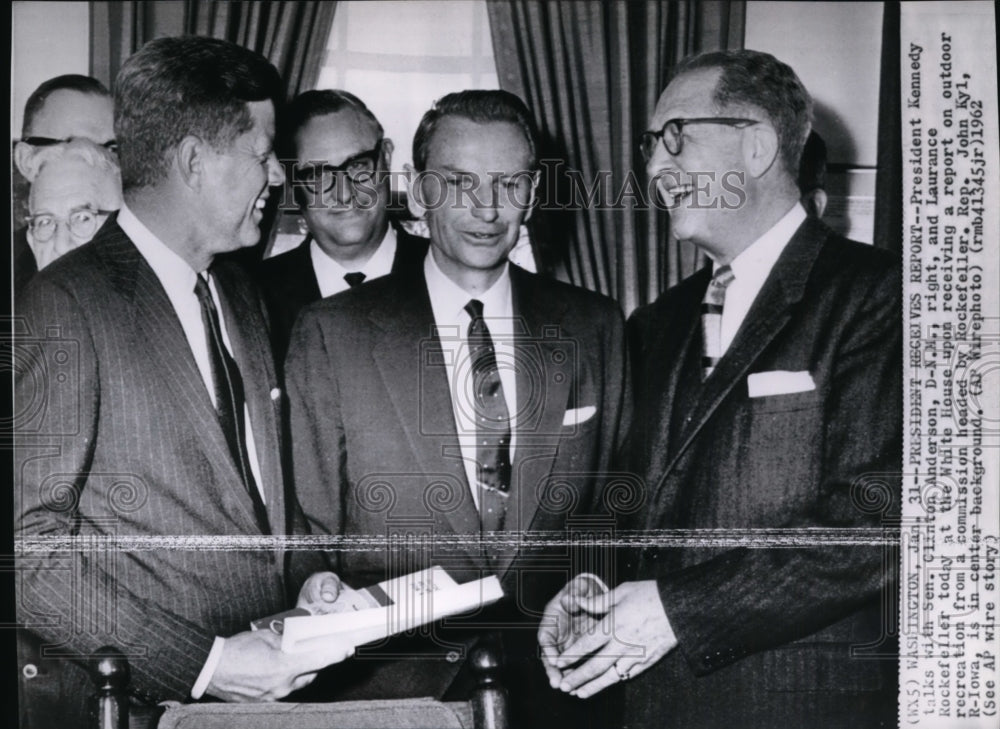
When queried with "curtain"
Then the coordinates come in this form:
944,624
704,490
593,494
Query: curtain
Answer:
889,178
592,73
291,35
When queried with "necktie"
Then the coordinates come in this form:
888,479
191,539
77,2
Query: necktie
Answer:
354,278
229,397
711,319
492,422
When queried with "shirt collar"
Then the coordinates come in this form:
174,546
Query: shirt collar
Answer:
379,264
174,273
448,299
756,260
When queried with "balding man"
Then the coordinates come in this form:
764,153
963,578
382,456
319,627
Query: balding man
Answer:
768,397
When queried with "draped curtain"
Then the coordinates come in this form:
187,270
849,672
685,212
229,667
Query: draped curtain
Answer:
889,178
592,72
291,35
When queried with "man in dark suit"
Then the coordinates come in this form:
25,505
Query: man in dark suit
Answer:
768,391
149,408
465,405
340,169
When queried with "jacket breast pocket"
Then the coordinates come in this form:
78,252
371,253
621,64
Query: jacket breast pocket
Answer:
780,456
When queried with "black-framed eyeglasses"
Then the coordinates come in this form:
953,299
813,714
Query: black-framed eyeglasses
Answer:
360,167
82,223
111,145
672,133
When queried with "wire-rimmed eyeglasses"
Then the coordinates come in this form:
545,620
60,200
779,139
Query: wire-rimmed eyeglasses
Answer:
82,223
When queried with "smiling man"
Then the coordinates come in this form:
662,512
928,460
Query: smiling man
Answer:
768,397
472,401
160,413
340,163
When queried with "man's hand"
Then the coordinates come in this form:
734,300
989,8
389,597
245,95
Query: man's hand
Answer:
253,668
319,593
565,619
632,636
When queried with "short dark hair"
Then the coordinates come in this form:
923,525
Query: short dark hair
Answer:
319,102
480,106
753,78
189,85
66,82
812,167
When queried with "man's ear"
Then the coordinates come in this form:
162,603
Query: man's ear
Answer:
533,197
189,158
760,149
414,195
24,157
387,149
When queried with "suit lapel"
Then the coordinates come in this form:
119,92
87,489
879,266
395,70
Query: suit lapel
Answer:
546,379
161,341
680,333
769,314
424,411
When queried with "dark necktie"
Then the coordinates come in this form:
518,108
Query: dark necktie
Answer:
354,278
229,397
711,319
492,423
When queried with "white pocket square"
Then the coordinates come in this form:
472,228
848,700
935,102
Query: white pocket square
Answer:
779,382
577,416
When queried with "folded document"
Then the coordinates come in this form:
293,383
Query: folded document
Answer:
376,612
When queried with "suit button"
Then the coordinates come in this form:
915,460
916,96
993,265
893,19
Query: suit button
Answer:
452,657
30,671
275,393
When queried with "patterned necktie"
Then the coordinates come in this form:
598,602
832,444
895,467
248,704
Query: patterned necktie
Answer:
229,397
492,422
711,320
354,278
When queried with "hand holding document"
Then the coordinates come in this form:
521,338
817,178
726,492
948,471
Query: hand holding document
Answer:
360,616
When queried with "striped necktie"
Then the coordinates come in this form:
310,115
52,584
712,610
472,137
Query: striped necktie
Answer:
711,320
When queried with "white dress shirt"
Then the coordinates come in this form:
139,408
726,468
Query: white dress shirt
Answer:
448,302
751,269
330,274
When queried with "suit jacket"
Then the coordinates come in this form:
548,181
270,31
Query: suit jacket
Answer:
120,437
288,282
765,635
25,266
375,453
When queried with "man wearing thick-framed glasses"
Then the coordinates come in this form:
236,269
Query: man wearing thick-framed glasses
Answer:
60,110
76,187
768,391
339,160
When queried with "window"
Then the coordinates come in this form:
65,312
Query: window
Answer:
399,57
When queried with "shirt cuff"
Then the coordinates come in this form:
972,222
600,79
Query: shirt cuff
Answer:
208,670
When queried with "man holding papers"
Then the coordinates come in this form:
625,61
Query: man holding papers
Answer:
768,391
436,418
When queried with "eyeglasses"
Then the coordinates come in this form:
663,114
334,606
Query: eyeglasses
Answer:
358,168
672,133
111,145
82,223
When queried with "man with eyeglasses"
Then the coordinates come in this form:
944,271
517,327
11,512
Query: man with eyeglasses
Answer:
61,109
768,399
467,402
77,186
339,159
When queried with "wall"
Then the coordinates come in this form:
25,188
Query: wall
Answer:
48,39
